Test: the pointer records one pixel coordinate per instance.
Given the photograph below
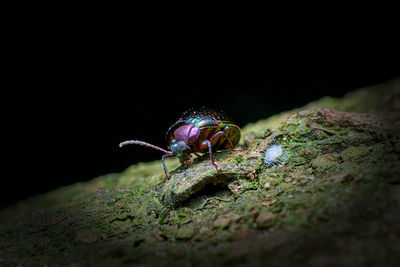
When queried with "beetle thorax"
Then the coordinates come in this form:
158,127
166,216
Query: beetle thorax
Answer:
187,133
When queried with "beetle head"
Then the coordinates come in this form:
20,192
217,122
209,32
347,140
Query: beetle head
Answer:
181,150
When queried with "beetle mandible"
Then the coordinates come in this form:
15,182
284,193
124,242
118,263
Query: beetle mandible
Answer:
202,131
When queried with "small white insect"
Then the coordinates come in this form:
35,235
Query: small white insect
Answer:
274,154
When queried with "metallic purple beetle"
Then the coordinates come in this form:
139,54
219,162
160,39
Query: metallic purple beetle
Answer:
196,131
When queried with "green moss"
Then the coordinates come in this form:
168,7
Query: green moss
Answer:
239,159
338,186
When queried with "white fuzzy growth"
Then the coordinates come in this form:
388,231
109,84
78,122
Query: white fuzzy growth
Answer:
274,155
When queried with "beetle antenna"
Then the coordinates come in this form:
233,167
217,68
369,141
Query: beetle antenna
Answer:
136,142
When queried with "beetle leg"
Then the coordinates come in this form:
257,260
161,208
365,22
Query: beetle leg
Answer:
222,134
206,142
240,149
213,140
230,145
164,167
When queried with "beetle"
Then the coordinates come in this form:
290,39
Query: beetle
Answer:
198,130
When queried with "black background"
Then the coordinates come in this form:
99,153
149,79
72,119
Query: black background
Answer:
70,110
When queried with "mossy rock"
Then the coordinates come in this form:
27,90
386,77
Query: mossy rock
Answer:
333,201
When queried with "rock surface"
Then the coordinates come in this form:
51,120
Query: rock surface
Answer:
334,200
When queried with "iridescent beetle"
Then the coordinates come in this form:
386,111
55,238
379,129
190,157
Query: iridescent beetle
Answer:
196,131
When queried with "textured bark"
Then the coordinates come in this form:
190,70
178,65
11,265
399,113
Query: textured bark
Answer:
333,200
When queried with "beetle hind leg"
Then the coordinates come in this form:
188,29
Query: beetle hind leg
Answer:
229,144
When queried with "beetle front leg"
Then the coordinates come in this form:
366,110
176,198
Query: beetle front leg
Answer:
165,168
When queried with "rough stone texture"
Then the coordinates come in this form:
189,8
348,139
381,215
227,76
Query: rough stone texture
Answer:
335,201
